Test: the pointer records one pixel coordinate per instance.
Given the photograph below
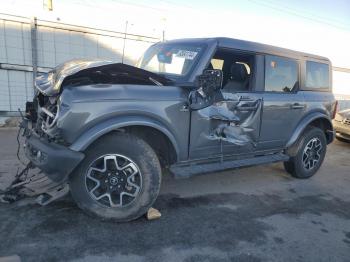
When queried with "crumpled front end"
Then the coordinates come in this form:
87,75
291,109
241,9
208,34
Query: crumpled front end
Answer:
50,162
45,123
48,105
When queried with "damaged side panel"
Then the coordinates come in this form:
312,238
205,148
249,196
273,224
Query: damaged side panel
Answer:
230,125
52,117
50,104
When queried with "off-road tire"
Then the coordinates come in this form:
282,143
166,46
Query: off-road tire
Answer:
295,165
141,154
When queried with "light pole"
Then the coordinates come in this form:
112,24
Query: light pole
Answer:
125,31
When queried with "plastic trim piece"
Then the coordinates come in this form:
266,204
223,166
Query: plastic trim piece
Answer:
304,123
49,158
91,135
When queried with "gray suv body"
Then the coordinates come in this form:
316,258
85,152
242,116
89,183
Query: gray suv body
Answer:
192,106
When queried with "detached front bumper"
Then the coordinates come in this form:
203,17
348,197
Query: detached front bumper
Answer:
55,160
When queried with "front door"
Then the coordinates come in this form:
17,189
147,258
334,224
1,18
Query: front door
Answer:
231,124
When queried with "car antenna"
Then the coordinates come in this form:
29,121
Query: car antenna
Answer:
125,31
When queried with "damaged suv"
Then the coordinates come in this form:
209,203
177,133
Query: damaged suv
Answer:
192,106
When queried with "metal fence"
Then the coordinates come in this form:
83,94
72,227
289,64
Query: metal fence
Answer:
28,45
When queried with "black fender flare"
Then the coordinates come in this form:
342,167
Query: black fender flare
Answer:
305,122
89,136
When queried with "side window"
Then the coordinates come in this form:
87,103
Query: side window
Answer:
281,74
317,75
237,68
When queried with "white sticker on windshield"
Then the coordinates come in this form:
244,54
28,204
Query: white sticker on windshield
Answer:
190,55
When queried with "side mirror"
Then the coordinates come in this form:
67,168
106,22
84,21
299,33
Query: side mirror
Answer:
210,81
208,85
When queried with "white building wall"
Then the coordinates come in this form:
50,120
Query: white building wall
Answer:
15,49
56,43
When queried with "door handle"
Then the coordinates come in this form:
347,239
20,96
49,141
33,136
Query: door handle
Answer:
297,106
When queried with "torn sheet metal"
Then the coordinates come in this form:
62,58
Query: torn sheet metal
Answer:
233,119
231,134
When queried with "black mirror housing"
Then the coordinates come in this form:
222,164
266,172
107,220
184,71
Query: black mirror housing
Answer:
210,81
208,86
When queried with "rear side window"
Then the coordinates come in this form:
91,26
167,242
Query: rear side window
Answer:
317,75
281,74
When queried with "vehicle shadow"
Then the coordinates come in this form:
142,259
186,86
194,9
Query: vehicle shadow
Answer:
220,221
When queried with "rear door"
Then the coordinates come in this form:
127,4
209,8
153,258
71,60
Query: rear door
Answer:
284,105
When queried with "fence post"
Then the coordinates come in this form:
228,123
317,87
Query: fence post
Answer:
33,36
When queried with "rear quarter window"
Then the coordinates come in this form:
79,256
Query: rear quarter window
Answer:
317,76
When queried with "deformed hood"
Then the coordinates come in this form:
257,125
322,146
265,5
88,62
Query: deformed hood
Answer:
82,72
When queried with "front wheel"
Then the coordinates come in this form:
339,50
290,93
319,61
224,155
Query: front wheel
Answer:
119,179
311,150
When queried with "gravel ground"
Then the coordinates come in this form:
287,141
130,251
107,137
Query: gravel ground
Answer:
252,214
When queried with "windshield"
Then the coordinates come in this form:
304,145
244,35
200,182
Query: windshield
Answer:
171,59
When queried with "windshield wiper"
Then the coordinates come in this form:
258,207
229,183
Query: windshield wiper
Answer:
155,81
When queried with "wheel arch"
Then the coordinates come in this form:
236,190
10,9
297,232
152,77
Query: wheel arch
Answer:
316,119
132,124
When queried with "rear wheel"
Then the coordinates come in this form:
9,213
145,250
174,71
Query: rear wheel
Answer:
119,178
311,150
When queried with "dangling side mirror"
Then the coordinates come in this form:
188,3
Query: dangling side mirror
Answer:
210,81
208,84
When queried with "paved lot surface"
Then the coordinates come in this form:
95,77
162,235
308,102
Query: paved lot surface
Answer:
253,214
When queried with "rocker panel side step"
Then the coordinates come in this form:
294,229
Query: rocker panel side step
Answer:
185,171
